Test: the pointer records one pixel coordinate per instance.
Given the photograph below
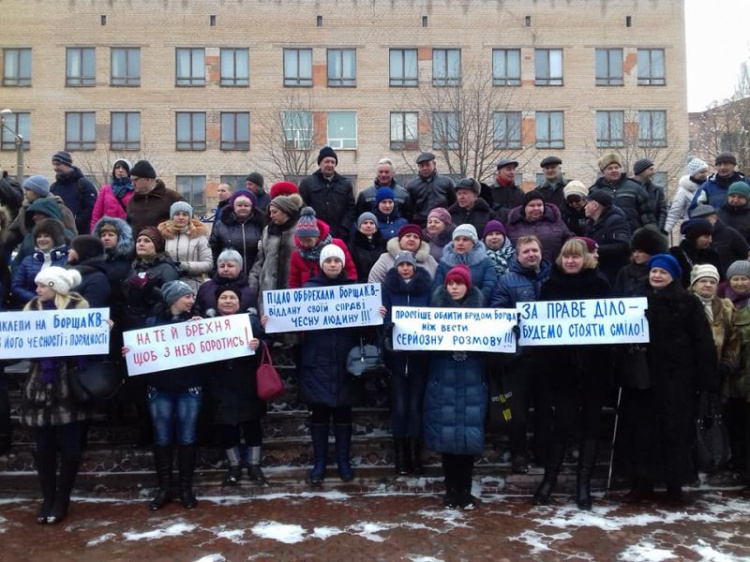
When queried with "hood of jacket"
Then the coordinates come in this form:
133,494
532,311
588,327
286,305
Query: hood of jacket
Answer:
420,283
125,244
170,230
476,255
72,176
551,214
45,205
324,229
422,254
688,184
473,299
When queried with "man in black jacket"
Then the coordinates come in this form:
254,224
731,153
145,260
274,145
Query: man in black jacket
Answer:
78,193
505,193
553,184
609,228
386,177
643,170
429,190
728,243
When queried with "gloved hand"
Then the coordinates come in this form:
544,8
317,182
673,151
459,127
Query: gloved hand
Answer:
140,280
184,266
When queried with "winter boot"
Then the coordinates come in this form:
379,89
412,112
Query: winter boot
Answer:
400,446
555,457
68,472
586,464
234,471
163,466
319,433
46,468
343,435
186,455
254,472
415,445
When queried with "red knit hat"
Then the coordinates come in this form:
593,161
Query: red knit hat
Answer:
410,228
283,188
459,274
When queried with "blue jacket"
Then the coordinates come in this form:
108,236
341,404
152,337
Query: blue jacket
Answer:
23,285
519,284
389,225
482,268
714,190
455,401
94,287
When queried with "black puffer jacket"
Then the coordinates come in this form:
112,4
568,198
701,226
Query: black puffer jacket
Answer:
333,201
612,233
365,252
736,217
478,216
552,192
142,301
729,244
428,193
94,285
229,233
173,380
631,197
504,199
688,256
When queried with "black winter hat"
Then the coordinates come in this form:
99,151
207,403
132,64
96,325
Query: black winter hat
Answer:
694,228
325,152
256,178
143,169
602,197
87,247
642,165
530,196
53,227
62,157
649,240
725,157
229,287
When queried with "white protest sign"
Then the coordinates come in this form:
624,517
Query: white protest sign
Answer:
188,343
54,333
322,308
583,322
454,329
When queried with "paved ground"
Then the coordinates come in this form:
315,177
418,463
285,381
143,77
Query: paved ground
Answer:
335,526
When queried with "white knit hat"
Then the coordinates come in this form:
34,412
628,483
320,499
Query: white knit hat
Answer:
332,251
703,270
58,279
575,187
695,165
466,230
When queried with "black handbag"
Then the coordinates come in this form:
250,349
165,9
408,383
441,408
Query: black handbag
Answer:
712,448
631,367
365,359
97,380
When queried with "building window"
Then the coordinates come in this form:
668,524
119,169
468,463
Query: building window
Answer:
609,67
17,67
507,129
342,68
445,130
549,129
404,130
191,131
126,66
80,66
506,67
298,130
80,130
403,68
298,67
191,67
651,67
235,131
548,64
235,67
652,128
610,129
125,130
20,124
342,129
446,67
193,189
236,181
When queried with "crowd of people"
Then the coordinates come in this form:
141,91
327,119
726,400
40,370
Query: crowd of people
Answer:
136,247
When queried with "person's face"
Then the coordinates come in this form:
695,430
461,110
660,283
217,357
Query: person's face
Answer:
142,185
183,304
229,269
254,187
703,241
705,287
109,239
612,172
534,210
466,198
740,283
575,202
309,242
456,289
435,226
385,174
572,264
462,244
277,216
530,255
386,206
736,200
507,174
426,169
551,171
243,207
60,168
368,227
332,267
406,270
38,217
591,209
144,247
494,240
648,173
659,278
45,293
410,242
224,192
181,219
327,166
120,171
725,169
30,195
228,303
701,175
44,242
639,257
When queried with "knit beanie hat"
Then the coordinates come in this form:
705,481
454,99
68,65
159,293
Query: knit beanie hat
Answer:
307,225
608,159
702,270
122,162
494,226
230,255
63,158
243,193
649,240
469,184
740,267
530,196
224,288
155,236
87,247
409,228
642,165
58,279
143,169
332,251
326,152
38,185
575,187
178,206
53,228
174,290
367,216
460,274
282,188
694,228
466,230
288,204
384,193
696,165
256,178
702,211
602,197
404,257
739,188
591,244
726,157
667,262
441,214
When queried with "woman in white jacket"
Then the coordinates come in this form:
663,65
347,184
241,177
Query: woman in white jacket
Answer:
698,172
187,243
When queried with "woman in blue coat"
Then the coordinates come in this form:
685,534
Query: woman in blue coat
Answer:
455,403
406,285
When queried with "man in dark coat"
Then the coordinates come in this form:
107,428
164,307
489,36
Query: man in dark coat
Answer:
608,227
86,255
554,182
643,170
735,212
255,183
727,242
330,194
386,177
78,193
505,193
151,200
469,207
429,190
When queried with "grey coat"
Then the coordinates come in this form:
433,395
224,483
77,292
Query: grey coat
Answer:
271,268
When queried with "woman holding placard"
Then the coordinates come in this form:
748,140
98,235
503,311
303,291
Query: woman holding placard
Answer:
577,374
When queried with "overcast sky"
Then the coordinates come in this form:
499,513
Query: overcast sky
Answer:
718,41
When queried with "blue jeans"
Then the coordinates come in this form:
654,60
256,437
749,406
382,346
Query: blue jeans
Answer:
407,396
167,407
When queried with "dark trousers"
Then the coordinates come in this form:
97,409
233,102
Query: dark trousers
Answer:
66,438
578,407
407,397
457,470
524,381
229,436
323,414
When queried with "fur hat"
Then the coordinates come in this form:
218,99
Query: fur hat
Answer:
466,230
575,187
155,236
696,165
694,228
143,169
59,279
459,273
384,193
649,240
494,226
404,257
608,159
410,228
666,262
327,152
62,157
230,255
87,247
740,267
441,214
366,216
282,188
470,184
702,270
243,193
642,165
332,251
174,290
178,206
256,178
38,185
53,227
307,225
288,204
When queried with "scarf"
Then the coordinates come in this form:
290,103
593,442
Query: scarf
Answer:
707,307
121,186
501,257
313,254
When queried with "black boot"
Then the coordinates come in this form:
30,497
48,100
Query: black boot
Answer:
319,433
46,468
586,464
415,444
555,456
68,472
343,435
254,455
186,455
399,450
163,466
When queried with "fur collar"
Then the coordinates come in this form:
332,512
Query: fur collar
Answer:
125,246
422,254
169,230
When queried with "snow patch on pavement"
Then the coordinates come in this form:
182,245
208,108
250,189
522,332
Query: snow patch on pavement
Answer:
3,528
172,531
423,559
332,495
324,533
5,501
708,553
646,552
539,542
212,558
101,539
232,535
370,531
288,534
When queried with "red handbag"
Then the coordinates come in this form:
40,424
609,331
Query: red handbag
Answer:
267,378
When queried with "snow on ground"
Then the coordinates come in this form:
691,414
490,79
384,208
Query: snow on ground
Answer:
539,542
174,530
212,558
417,558
101,539
324,533
289,534
3,528
646,552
